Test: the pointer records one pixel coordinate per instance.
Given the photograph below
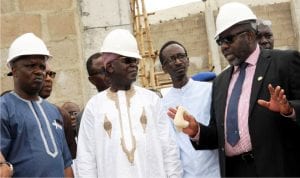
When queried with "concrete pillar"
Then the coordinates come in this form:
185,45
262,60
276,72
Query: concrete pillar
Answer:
98,18
210,29
295,12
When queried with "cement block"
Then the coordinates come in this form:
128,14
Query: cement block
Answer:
61,25
105,13
67,86
6,83
47,5
7,6
14,25
3,68
65,54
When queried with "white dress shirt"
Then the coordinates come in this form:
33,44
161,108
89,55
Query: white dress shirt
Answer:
195,97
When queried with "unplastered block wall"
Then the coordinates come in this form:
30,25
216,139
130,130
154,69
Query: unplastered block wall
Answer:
56,22
282,25
191,32
295,9
98,18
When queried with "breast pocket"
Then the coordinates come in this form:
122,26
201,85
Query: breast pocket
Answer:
58,131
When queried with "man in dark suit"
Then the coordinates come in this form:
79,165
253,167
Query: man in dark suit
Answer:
253,124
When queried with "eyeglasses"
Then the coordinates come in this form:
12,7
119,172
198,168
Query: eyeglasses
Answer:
172,59
51,74
229,39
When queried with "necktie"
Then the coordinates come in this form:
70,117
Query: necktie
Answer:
232,131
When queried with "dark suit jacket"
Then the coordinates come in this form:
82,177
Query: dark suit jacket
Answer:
275,139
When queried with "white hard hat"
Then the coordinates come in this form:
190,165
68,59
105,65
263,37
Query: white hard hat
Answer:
231,14
122,42
26,44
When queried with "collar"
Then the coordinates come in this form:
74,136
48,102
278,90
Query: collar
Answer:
185,87
38,101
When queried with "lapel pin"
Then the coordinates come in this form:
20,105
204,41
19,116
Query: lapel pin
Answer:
259,78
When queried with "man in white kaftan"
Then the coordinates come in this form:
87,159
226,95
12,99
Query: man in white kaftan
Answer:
100,152
121,135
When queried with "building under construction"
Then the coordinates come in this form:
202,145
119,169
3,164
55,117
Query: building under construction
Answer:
74,29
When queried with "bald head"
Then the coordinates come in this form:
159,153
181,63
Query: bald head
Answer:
71,107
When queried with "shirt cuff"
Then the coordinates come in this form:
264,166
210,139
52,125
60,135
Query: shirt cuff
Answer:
292,116
197,136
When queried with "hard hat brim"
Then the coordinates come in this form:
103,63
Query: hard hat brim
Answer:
16,57
124,53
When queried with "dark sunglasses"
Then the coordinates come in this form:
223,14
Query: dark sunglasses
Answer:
229,39
51,74
129,60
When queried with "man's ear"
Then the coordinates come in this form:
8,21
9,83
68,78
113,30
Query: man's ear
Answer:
252,36
13,70
109,69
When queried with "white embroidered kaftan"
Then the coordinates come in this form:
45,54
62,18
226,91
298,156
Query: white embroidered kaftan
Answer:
100,153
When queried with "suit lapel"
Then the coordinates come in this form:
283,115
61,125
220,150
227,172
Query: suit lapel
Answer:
262,65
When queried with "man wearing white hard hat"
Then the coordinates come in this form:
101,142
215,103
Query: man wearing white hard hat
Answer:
255,115
121,134
32,138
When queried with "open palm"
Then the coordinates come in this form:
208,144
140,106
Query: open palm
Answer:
278,101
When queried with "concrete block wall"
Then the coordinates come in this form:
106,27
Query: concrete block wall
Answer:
98,18
295,11
57,23
282,25
191,31
74,29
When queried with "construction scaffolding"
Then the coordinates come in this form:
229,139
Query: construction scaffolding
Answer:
148,77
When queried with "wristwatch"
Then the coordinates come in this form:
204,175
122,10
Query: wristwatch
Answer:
11,167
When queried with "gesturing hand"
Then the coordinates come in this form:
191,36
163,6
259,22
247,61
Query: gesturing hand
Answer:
278,101
192,129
